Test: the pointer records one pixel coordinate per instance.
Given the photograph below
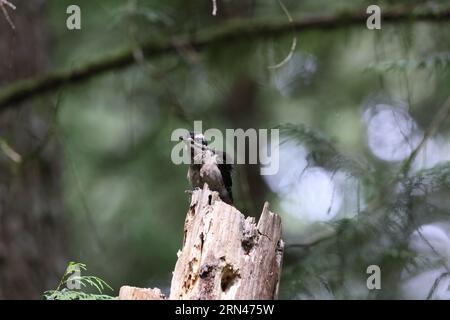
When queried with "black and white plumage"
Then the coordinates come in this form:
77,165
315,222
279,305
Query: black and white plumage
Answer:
208,166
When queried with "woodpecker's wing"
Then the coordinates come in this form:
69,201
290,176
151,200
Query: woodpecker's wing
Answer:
225,168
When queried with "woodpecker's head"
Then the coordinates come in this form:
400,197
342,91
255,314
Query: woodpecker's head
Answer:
196,144
194,138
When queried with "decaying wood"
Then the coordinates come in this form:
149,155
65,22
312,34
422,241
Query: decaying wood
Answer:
225,255
133,293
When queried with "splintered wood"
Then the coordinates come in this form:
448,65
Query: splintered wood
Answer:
225,255
133,293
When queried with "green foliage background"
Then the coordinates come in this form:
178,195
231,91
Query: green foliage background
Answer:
126,199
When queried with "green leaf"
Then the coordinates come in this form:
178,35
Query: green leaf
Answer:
85,281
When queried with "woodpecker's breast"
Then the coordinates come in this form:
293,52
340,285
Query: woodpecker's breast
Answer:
209,172
194,176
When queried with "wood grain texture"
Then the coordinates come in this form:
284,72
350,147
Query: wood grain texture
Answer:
225,255
133,293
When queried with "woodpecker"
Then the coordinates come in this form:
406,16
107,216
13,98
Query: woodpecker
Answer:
208,165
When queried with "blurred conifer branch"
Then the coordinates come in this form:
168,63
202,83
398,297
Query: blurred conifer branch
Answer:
437,61
227,33
323,152
388,212
439,118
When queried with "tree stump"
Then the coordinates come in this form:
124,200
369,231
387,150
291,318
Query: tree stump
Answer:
225,255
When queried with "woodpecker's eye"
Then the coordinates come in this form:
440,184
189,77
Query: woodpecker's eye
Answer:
192,141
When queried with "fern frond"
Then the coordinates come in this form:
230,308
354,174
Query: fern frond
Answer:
66,294
74,267
88,282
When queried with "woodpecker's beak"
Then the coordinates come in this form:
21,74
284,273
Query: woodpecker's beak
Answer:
187,139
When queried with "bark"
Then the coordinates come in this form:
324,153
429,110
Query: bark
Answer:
133,293
225,255
32,229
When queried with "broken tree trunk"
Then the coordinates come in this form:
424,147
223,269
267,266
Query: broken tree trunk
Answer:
224,254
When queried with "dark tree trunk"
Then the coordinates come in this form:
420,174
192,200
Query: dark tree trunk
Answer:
32,230
242,111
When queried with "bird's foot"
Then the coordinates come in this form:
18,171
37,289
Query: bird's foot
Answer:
192,191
